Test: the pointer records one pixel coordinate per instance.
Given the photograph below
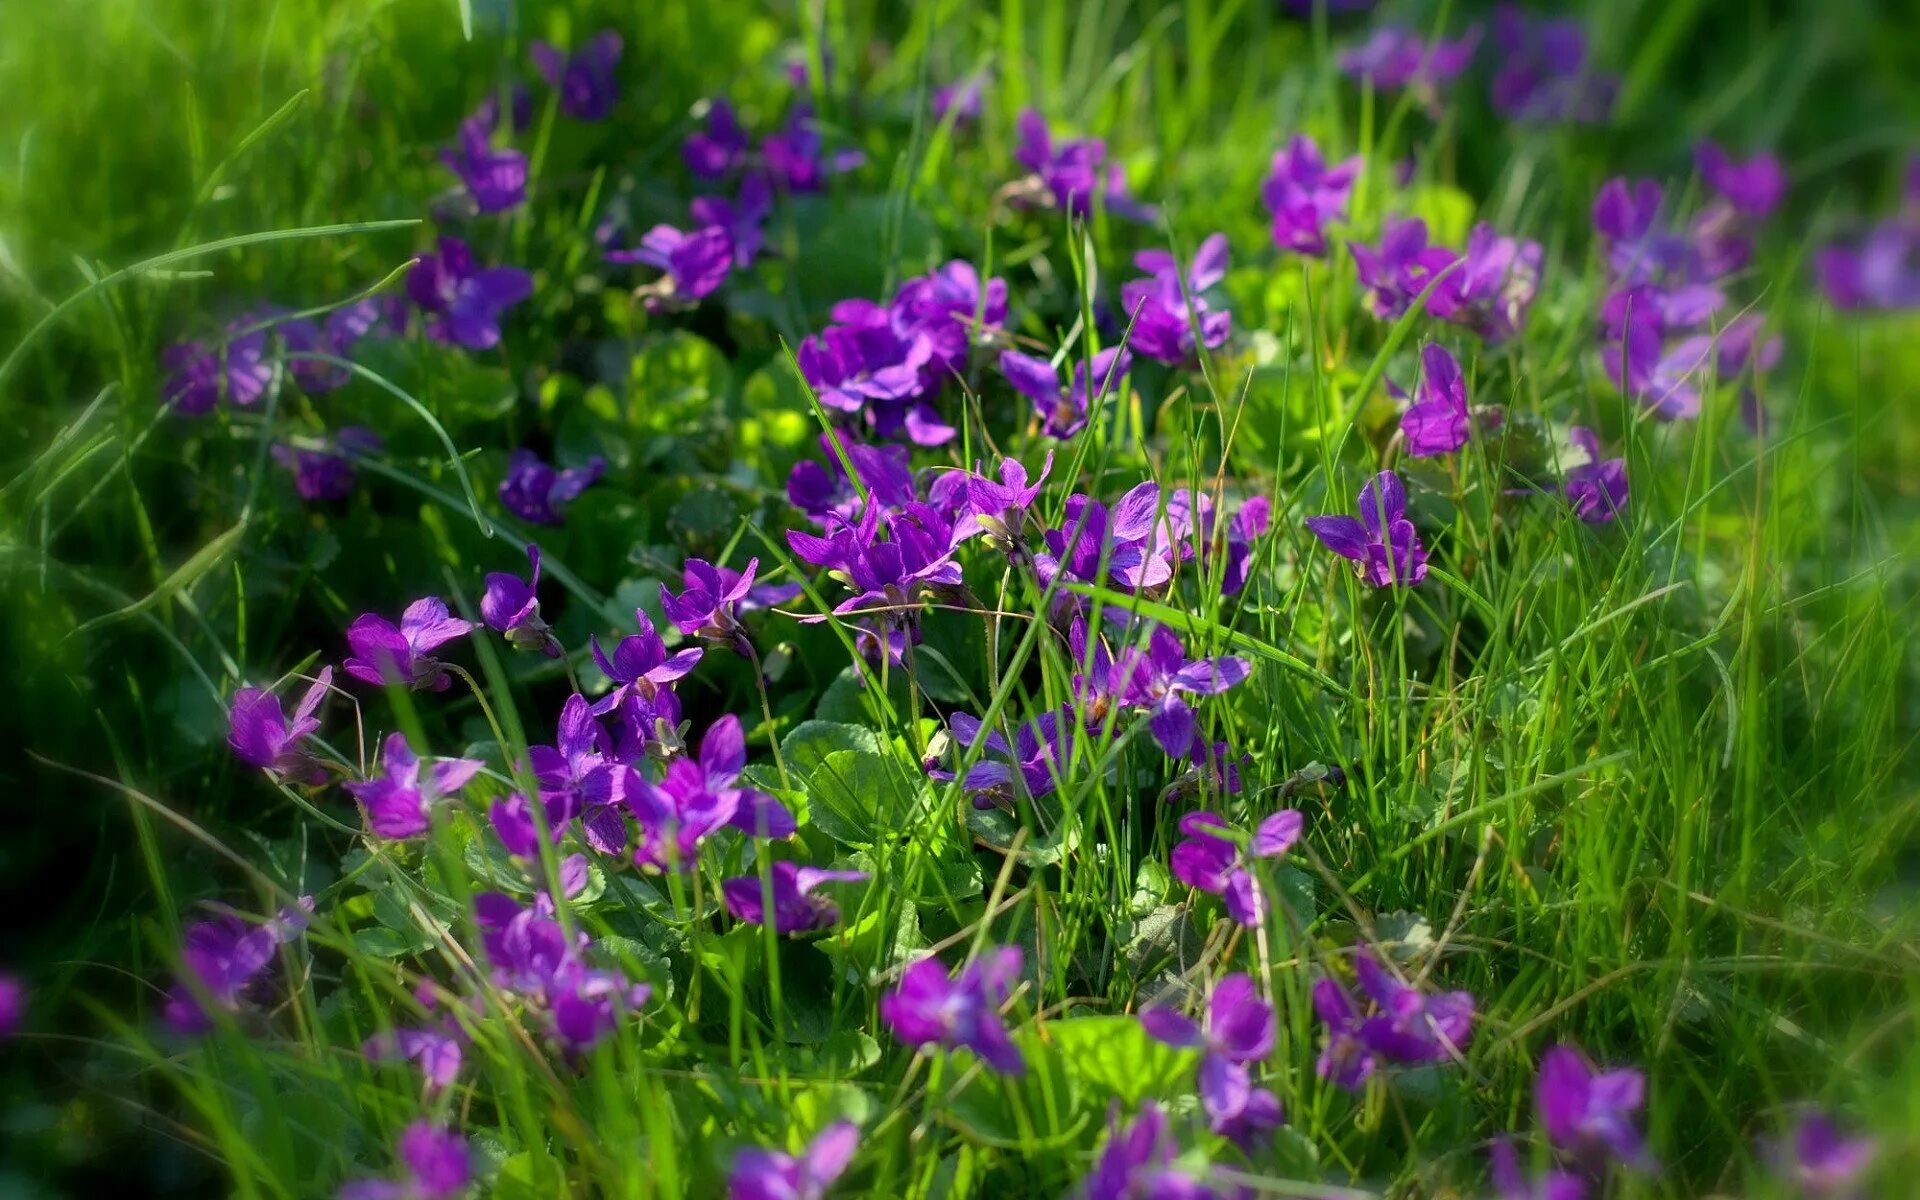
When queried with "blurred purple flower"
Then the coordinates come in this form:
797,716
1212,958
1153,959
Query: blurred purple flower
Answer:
435,1163
1395,57
1819,1162
326,473
511,606
1166,307
1034,765
721,148
1597,488
795,908
397,802
1063,411
538,494
234,368
928,1008
588,90
1543,74
260,734
1238,1030
1754,188
1381,542
1437,422
464,303
1137,1163
1069,174
1588,1113
496,178
694,265
1304,195
1510,1184
223,957
1207,860
762,1174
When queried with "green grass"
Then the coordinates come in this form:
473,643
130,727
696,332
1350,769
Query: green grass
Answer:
1644,787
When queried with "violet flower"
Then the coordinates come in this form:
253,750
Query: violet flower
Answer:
1034,765
385,654
1166,307
1070,174
1437,422
343,327
576,774
436,1052
742,219
1589,1113
762,1174
1304,195
1137,1163
795,158
1543,74
1395,57
511,606
1754,188
826,494
1238,1030
588,90
326,473
694,265
1206,860
531,957
495,178
261,736
640,663
1493,287
13,1005
1510,1184
1597,488
464,303
224,957
795,909
538,494
721,148
1401,1024
435,1164
397,802
1401,268
723,755
1135,543
1063,411
999,509
929,1008
676,815
1157,678
234,368
1381,542
709,603
965,100
1819,1162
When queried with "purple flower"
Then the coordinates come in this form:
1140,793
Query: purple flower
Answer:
1597,488
13,1004
1754,188
999,509
1589,1113
584,80
929,1008
1510,1184
721,148
824,492
896,575
1666,378
384,654
1303,195
1063,412
223,957
1157,678
1137,545
511,606
741,220
1820,1162
709,602
1881,273
965,100
344,326
640,663
1071,173
795,158
495,178
723,755
680,812
463,303
1381,541
1401,268
1034,765
695,264
1395,57
261,736
795,908
325,473
532,958
199,376
761,1174
1211,862
1543,73
1402,1025
1238,1031
435,1165
1137,1163
1166,307
1437,422
538,494
437,1052
397,802
1492,288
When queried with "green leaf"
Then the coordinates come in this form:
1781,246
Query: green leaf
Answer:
1113,1055
809,743
857,798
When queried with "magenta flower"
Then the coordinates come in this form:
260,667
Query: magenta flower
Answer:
495,178
511,606
1304,195
693,265
435,1164
795,908
532,957
795,158
1437,422
1071,173
1821,1163
13,1005
1063,411
224,957
1597,488
640,664
1493,287
761,1174
385,654
1381,542
538,494
1238,1030
999,508
235,369
1400,1024
584,80
676,815
1510,1184
1165,307
464,303
397,802
435,1051
927,1008
1208,860
1588,1113
825,494
1137,1163
1754,188
260,734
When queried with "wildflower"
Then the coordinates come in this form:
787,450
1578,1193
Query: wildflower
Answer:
1156,679
1134,541
585,79
1543,73
964,100
261,736
1063,411
536,493
464,303
436,1052
1437,422
1137,1163
1589,1113
1166,307
1510,1184
741,220
511,606
827,494
999,509
928,1007
1597,488
650,726
1754,188
694,264
532,957
397,802
950,307
721,148
1037,760
1493,286
1206,860
1303,195
895,575
224,956
1401,268
1381,541
304,339
640,664
325,473
1238,1031
384,654
1070,174
709,603
1667,379
864,364
795,909
795,159
1820,1162
1880,271
13,1004
495,178
235,369
512,820
761,1174
435,1163
677,814
1394,57
723,755
1403,1025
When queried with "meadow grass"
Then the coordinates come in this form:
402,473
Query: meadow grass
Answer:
1641,786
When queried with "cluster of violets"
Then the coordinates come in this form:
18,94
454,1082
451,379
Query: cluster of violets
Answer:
621,787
